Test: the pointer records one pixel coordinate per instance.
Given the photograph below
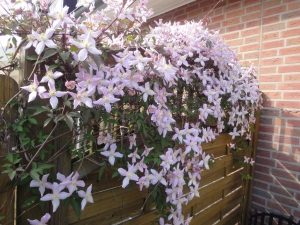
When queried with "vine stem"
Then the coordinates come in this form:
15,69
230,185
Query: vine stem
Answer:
38,151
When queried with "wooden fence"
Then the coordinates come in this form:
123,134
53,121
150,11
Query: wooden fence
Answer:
223,194
8,88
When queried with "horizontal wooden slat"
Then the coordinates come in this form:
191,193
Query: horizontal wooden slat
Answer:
221,192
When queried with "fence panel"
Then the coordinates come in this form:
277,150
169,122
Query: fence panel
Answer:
221,202
8,88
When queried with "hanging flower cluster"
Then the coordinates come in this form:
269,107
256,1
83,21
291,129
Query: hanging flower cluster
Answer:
70,183
184,82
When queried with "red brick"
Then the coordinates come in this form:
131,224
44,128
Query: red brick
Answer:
253,8
273,44
266,87
290,131
269,53
289,69
272,61
290,33
251,16
235,27
288,104
235,13
260,176
231,36
291,202
293,123
271,19
270,112
293,59
262,169
252,39
251,47
274,205
263,153
268,129
249,2
230,22
260,184
253,23
270,4
258,200
284,157
265,161
236,42
218,18
289,184
294,5
289,51
250,32
281,190
293,41
275,10
265,137
294,23
273,27
290,15
291,95
267,70
266,145
271,36
271,95
251,55
291,77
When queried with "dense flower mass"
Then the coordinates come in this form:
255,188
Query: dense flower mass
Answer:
182,78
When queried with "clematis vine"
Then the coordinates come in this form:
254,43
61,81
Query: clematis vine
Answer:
148,98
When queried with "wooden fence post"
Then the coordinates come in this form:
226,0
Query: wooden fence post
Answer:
8,88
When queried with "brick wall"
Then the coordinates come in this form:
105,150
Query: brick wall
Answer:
267,34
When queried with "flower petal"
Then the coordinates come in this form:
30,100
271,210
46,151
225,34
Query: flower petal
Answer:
53,102
82,55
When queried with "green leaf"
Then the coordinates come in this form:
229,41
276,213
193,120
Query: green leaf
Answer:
76,205
32,121
31,57
100,173
69,121
49,53
64,56
12,175
34,174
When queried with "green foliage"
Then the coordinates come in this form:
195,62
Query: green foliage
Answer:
12,167
39,169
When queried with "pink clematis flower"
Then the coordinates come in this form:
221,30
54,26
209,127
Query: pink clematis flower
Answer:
34,89
41,184
112,154
50,76
56,195
205,161
61,17
130,174
44,39
106,101
82,97
53,95
88,45
44,220
72,183
147,91
86,197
